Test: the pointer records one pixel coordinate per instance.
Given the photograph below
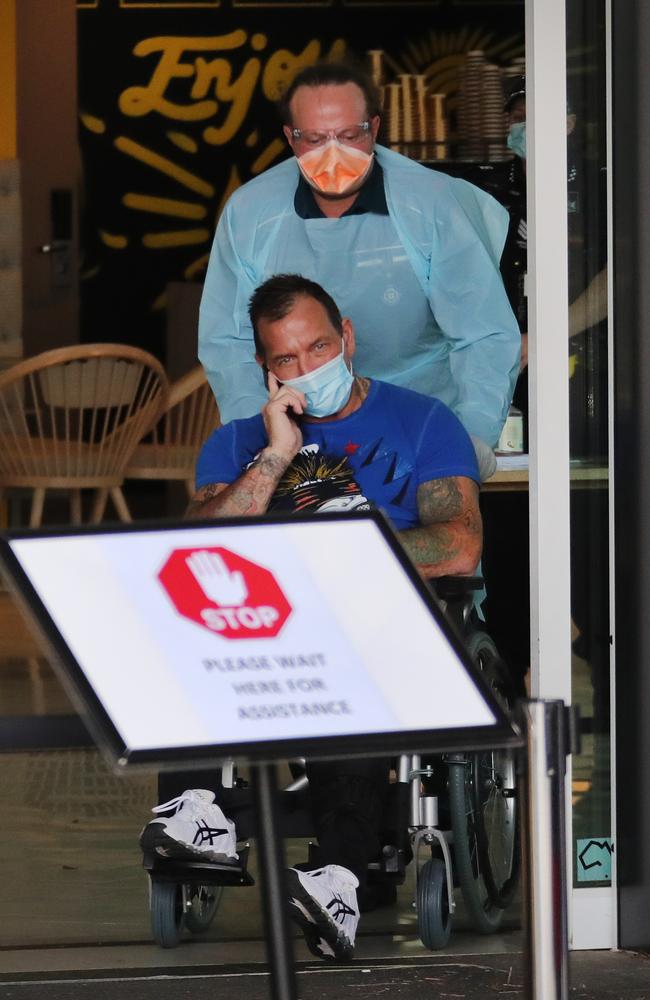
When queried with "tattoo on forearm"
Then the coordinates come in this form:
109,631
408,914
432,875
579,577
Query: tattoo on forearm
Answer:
449,538
443,547
201,498
208,492
270,465
247,496
439,500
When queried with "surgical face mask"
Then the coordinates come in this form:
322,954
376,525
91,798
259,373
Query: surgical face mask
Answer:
516,140
335,168
326,389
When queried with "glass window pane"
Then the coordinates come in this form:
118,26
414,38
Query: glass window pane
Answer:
28,686
588,408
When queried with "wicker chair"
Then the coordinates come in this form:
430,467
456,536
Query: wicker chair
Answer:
170,451
70,419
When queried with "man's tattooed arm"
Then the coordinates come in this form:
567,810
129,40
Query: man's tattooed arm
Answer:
247,496
450,537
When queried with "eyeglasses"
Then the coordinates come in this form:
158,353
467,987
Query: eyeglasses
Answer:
349,136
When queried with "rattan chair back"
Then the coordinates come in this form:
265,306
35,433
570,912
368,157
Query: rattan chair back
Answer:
71,418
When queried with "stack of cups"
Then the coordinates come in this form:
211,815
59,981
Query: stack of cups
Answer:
469,109
492,120
437,126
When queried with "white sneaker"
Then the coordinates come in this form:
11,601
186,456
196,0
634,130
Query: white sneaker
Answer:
197,829
324,904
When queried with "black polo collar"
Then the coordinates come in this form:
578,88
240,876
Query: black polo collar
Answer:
371,197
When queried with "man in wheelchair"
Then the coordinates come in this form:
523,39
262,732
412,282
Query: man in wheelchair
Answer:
329,439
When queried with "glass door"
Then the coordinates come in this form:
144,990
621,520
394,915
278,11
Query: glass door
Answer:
568,184
589,378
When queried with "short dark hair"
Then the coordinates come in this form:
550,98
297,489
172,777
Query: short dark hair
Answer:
515,91
323,74
277,296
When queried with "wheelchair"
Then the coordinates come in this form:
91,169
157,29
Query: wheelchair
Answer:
454,816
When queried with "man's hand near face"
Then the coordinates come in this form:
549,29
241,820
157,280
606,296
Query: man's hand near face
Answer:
279,414
252,492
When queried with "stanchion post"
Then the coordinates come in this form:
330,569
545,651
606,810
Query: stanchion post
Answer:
270,849
545,868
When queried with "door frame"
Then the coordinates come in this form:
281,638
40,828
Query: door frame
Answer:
592,911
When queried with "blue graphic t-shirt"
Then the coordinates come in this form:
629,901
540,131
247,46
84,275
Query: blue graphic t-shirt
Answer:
375,457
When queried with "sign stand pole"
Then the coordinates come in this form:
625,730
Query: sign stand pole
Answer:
270,847
544,823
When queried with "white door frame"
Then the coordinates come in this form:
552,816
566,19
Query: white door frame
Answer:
592,912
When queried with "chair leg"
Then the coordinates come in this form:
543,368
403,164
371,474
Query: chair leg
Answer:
99,506
75,506
189,486
37,685
38,501
120,504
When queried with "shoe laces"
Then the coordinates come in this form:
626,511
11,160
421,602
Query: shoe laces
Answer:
193,796
343,876
339,878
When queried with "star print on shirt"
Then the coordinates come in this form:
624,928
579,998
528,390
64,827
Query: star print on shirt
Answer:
350,448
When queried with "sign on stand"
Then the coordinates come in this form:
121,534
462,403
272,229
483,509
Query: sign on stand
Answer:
254,638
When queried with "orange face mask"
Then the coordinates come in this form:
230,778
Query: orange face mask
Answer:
334,168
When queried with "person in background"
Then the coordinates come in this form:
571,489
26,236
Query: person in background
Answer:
507,605
411,255
588,283
326,439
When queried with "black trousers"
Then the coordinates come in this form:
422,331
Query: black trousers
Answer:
347,805
346,799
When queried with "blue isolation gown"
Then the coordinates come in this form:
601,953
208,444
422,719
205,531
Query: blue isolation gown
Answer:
421,285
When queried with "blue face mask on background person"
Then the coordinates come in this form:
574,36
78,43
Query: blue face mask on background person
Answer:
326,389
516,140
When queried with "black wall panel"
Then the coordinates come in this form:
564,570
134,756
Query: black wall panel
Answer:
631,41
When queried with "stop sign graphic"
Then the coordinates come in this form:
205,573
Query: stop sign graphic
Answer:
225,593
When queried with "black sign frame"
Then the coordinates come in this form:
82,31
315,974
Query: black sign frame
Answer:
504,733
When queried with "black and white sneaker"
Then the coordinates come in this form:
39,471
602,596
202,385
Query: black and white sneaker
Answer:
324,905
197,830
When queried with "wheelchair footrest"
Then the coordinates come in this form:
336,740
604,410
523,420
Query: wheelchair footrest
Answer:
199,872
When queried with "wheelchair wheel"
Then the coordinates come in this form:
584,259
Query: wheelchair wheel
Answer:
497,823
204,902
483,806
166,913
486,656
485,916
434,918
493,786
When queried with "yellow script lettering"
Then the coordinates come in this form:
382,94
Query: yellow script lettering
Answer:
239,92
138,101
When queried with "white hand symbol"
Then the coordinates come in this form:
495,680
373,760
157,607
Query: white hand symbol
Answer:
215,579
